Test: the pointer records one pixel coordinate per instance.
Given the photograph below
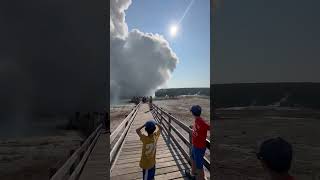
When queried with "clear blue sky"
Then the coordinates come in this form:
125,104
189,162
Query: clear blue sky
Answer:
192,43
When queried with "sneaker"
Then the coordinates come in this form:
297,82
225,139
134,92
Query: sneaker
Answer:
188,173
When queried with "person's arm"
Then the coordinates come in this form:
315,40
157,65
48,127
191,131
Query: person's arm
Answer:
159,126
139,130
159,130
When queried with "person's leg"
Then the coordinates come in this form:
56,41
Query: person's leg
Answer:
191,174
144,172
151,173
199,163
201,174
193,162
193,167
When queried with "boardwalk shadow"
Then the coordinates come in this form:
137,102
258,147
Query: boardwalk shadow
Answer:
181,162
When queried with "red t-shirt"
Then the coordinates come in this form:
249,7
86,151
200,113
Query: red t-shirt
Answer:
199,133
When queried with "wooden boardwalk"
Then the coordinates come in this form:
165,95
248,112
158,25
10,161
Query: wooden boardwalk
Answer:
170,163
92,160
96,167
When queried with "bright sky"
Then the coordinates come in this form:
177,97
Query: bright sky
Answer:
192,40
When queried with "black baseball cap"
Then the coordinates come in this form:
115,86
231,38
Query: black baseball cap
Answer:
277,154
196,110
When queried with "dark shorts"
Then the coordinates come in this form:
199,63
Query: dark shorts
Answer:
197,155
148,174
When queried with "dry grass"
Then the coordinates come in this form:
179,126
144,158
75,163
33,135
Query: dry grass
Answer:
238,133
118,114
31,157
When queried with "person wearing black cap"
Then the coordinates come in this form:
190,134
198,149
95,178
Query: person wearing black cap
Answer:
199,135
275,155
149,148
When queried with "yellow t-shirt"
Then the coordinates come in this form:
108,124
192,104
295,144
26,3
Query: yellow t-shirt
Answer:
149,147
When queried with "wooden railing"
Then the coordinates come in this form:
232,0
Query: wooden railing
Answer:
71,169
163,116
125,126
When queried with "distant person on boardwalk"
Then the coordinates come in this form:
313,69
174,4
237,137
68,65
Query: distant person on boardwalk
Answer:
144,99
199,135
276,155
149,147
150,103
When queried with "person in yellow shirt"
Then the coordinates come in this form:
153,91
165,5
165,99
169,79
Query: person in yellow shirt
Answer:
149,147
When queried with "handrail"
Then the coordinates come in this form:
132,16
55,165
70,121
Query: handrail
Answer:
128,121
115,133
159,114
73,166
181,124
76,173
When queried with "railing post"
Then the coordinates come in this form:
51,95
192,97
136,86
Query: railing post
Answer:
190,141
74,163
161,117
108,133
169,117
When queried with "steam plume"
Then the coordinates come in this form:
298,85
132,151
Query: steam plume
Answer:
139,62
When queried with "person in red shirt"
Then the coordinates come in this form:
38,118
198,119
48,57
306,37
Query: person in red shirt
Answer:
275,155
199,135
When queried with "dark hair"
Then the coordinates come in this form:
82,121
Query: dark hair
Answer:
277,154
151,130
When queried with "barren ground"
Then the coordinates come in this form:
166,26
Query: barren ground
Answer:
180,108
238,132
118,114
30,158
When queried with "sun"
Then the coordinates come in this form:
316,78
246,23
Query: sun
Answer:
173,30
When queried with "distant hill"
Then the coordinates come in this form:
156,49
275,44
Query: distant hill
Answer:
255,94
262,94
182,91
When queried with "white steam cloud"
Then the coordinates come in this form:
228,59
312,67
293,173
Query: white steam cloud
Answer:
139,62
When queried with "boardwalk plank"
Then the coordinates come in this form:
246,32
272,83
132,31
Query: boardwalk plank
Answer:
169,161
170,164
158,165
96,165
159,171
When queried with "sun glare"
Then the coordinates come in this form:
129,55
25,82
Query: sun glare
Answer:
173,30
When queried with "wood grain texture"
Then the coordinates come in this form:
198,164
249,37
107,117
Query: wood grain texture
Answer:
170,164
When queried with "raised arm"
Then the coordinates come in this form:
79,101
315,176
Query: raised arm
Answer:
159,126
139,130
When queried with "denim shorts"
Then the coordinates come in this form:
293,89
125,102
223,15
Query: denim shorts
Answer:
197,155
148,174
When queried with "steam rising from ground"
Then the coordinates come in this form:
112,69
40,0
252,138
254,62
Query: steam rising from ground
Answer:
139,62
